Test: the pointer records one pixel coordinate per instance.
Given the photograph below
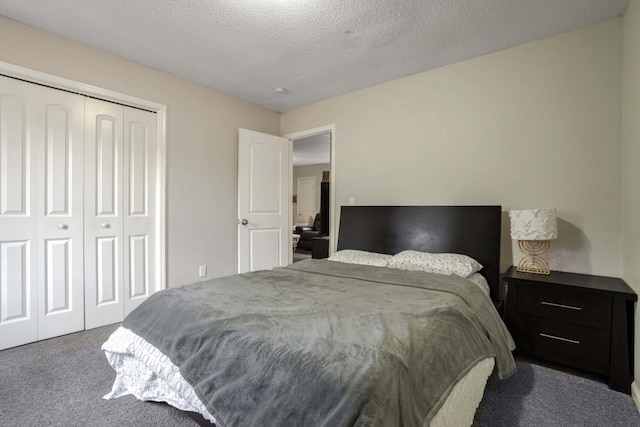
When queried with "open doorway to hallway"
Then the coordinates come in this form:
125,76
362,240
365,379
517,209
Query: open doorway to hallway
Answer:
311,178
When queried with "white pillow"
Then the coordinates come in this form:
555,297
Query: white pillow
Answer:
351,256
460,265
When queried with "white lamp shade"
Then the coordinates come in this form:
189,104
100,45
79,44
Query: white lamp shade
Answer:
533,224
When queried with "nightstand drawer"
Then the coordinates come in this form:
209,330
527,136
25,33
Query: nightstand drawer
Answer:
565,304
563,338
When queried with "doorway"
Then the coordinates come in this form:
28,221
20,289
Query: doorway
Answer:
311,209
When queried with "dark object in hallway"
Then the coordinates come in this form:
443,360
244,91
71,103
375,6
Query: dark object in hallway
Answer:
307,234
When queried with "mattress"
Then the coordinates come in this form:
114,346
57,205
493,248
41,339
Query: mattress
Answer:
144,372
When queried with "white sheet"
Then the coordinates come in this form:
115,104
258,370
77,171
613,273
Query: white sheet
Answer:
145,372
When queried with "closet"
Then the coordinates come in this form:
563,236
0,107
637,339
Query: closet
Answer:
78,223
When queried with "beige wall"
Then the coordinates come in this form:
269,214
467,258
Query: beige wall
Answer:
304,171
202,127
538,125
631,159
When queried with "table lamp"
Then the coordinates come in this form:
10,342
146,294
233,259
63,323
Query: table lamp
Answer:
534,229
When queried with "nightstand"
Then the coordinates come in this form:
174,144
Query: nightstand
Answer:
578,320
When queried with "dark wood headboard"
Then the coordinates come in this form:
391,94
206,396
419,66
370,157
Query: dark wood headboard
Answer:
468,230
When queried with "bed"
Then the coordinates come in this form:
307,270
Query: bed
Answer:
329,343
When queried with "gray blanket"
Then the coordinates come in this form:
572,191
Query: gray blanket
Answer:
321,343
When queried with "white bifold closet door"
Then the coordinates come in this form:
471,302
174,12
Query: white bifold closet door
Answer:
60,204
120,170
41,203
78,194
18,214
139,203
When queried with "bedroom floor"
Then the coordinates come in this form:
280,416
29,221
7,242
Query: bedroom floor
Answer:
300,255
61,381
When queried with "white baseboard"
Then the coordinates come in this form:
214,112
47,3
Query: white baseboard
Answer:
635,393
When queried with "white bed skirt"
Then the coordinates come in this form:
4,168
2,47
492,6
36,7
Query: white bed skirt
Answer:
146,373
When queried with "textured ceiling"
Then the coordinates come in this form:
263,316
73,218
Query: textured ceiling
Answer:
315,49
313,150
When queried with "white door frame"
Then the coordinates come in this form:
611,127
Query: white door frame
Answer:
56,82
330,129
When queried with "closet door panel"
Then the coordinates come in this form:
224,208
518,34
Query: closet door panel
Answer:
60,219
104,272
14,283
18,218
107,271
140,147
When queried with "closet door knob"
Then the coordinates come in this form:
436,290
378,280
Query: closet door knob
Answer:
105,225
63,226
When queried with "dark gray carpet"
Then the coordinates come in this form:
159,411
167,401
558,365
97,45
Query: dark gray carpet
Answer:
300,256
540,396
60,382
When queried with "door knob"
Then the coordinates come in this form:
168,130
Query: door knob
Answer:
62,226
105,225
244,222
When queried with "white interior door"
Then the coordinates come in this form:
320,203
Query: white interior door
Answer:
104,285
18,213
140,148
264,233
306,205
60,220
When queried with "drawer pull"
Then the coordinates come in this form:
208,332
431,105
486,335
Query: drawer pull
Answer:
553,337
553,304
